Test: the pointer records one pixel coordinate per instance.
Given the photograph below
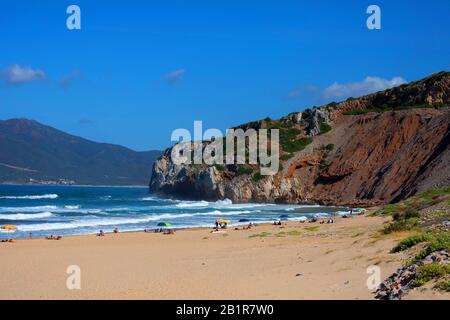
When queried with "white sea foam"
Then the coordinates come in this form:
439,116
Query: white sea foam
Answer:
321,215
97,222
53,209
225,213
149,199
28,209
193,204
344,213
32,197
302,218
72,207
22,216
225,202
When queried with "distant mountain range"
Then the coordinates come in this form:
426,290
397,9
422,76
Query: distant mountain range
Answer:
33,152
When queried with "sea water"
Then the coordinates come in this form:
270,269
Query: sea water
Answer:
64,210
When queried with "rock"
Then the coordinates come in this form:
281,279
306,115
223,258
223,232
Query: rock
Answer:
398,284
297,117
314,119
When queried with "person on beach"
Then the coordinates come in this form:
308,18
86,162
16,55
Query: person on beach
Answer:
30,235
116,230
52,237
101,234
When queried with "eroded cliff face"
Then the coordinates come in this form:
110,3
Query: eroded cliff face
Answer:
351,159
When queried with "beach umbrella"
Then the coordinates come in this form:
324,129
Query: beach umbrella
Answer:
244,220
164,224
222,221
9,227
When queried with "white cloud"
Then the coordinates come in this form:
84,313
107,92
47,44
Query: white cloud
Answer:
16,74
174,76
356,89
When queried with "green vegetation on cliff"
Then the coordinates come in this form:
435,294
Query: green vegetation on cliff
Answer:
406,213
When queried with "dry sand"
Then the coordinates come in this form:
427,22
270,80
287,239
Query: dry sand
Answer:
328,263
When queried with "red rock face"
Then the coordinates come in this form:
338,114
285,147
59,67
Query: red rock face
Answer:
396,149
382,156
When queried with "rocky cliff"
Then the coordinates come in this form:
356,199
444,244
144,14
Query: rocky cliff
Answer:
363,151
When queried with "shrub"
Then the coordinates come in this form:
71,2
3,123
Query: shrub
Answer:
243,171
386,108
430,271
257,176
443,285
332,104
296,145
410,242
329,147
286,156
440,241
401,225
324,128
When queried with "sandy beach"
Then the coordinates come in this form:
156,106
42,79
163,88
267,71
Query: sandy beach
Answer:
295,261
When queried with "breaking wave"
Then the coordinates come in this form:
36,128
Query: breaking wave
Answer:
22,216
32,197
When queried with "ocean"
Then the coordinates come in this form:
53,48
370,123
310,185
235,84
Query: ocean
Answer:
70,210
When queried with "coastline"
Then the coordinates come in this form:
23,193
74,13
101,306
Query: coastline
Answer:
295,261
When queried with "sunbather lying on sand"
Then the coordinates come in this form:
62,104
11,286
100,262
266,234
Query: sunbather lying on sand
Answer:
7,240
52,237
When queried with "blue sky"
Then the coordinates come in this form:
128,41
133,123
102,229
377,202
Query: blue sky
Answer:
137,70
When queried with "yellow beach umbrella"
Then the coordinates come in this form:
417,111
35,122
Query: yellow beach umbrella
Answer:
222,221
8,227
